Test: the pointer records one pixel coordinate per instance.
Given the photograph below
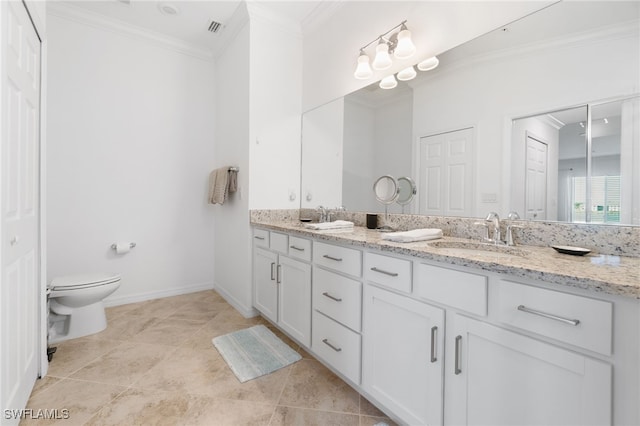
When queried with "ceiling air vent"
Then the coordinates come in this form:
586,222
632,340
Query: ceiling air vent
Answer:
214,26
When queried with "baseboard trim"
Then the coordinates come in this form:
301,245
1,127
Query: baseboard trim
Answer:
247,312
150,295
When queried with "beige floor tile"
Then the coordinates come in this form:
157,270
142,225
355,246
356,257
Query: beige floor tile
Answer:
185,370
74,354
373,421
157,308
199,310
144,407
79,399
230,315
311,385
42,385
206,411
125,327
262,389
123,365
202,339
170,332
113,312
289,416
368,409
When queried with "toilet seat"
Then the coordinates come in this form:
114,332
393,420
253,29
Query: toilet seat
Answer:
76,282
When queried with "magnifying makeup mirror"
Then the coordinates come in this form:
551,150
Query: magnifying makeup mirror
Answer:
406,191
386,191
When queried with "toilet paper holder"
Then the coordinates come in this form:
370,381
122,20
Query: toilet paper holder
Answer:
131,245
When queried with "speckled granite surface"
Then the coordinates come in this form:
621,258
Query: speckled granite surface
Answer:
598,272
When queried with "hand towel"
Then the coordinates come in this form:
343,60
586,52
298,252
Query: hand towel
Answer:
337,224
413,235
218,185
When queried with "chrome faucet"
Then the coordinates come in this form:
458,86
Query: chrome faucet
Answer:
512,216
494,219
324,214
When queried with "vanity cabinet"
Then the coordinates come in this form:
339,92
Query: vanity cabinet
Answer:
499,377
282,283
402,355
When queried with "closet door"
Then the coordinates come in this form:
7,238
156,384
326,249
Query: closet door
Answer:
20,209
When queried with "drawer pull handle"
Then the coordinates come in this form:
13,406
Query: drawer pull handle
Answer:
573,322
258,238
337,299
434,342
382,271
296,248
273,271
279,274
337,259
326,342
457,370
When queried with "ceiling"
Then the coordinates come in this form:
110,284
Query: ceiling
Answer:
189,24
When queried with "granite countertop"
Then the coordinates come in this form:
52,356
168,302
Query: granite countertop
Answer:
608,274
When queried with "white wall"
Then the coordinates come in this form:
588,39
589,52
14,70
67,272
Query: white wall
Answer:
232,233
275,114
490,93
331,49
130,146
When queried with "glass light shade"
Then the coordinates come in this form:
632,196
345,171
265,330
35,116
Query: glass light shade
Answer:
407,74
388,82
405,48
363,70
382,61
428,64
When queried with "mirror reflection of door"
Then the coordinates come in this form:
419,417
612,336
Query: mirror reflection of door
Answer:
536,178
446,174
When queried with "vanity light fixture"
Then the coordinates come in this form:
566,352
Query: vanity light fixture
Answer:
399,43
407,74
429,64
389,82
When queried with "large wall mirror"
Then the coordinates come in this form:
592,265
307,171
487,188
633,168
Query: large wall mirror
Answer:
463,132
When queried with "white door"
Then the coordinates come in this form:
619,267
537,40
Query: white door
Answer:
446,174
536,179
264,283
402,355
295,299
498,377
19,229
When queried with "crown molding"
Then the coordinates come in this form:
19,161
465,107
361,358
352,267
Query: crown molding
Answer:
96,20
259,12
320,14
232,28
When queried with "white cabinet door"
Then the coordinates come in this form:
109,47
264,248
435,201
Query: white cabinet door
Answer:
498,377
295,298
402,355
265,284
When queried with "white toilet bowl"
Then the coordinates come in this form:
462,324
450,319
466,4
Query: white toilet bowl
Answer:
75,305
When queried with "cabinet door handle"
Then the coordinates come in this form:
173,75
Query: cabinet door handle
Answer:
573,322
458,355
326,342
337,259
279,274
337,299
434,342
258,238
296,248
382,271
273,273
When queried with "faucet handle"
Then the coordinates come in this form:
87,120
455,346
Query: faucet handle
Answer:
510,227
513,215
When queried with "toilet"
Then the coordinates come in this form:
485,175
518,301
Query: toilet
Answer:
75,305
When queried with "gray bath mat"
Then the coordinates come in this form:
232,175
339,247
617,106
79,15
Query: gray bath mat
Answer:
254,352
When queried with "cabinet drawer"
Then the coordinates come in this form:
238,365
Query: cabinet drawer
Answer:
278,242
341,259
457,289
300,248
261,238
388,271
338,297
337,345
576,320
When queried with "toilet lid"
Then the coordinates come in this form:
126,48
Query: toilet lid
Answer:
85,280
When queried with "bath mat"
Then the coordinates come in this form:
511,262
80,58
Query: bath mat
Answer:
254,352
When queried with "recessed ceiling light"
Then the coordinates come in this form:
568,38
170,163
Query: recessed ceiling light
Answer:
168,9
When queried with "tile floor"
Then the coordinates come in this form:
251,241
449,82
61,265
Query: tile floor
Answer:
155,365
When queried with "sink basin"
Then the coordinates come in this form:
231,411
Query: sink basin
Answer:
477,248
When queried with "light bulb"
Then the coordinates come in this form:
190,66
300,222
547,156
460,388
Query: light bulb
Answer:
407,74
388,82
405,48
428,64
363,70
382,60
